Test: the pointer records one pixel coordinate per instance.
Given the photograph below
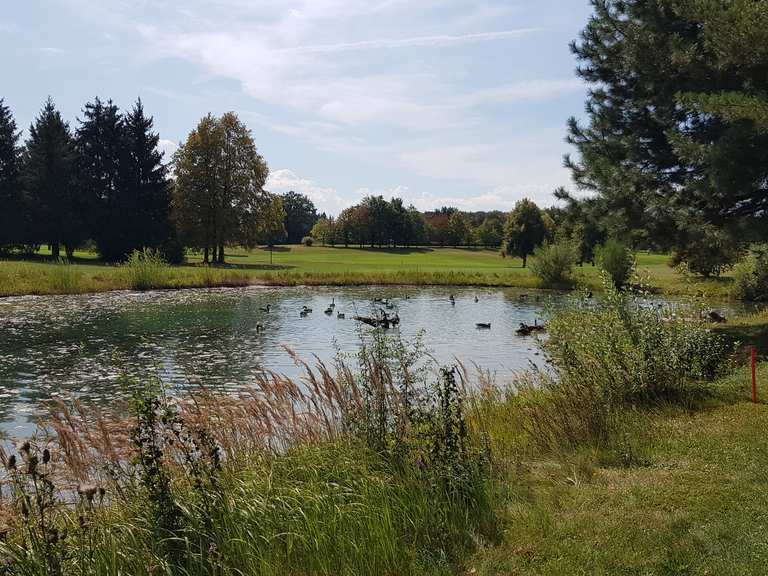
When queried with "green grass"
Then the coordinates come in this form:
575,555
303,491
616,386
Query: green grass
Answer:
694,503
300,265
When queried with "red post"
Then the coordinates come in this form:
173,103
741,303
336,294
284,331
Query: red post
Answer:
754,375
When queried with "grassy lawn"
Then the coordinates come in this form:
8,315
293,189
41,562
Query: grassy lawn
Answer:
292,265
695,502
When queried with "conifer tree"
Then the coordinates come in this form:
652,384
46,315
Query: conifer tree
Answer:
50,163
12,216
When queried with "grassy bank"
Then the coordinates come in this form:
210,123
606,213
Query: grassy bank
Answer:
642,457
300,265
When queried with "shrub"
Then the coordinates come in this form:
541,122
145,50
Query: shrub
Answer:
750,275
553,264
146,269
613,355
709,252
617,261
307,240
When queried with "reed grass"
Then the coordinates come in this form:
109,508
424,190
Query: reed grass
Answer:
343,472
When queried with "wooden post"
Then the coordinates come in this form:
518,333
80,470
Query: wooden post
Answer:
754,375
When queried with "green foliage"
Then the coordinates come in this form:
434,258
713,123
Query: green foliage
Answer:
676,135
57,206
553,264
613,355
308,241
525,229
707,252
219,196
618,261
146,269
12,224
300,216
65,278
324,231
750,275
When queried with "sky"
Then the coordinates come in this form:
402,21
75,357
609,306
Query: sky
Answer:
441,102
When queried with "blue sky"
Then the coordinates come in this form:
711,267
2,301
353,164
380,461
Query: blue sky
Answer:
441,102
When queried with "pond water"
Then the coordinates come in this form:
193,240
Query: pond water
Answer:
83,345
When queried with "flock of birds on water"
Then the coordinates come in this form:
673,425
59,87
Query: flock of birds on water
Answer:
383,319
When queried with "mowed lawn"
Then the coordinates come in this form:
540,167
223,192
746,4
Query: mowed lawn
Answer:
290,265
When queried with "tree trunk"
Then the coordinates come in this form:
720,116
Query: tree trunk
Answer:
221,254
55,250
525,259
205,255
215,255
70,250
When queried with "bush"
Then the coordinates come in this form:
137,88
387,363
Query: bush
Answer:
146,269
617,261
611,356
709,252
553,263
307,240
750,275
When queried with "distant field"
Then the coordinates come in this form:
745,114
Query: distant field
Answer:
291,265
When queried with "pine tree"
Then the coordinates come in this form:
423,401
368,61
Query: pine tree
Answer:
144,192
12,215
101,148
50,162
676,137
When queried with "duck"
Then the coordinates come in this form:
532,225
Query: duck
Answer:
340,316
452,299
483,325
476,300
328,311
306,309
266,308
259,327
303,313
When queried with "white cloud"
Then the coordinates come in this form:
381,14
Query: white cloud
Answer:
326,199
168,147
413,42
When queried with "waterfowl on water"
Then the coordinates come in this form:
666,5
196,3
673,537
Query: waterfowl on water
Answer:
340,316
476,300
259,327
452,299
304,313
328,311
332,305
266,308
483,325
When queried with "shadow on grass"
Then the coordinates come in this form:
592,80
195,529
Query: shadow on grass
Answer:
239,266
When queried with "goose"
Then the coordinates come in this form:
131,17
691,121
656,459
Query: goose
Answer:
328,311
259,327
306,309
266,308
332,305
340,316
483,325
304,313
453,300
476,300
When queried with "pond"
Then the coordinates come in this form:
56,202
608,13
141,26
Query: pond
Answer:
84,345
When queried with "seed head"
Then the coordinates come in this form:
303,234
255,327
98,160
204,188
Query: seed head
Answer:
46,456
11,464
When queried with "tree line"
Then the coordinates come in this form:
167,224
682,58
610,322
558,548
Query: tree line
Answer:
106,183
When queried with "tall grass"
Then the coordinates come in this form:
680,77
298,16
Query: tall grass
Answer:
612,357
65,278
146,269
367,471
